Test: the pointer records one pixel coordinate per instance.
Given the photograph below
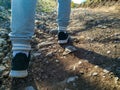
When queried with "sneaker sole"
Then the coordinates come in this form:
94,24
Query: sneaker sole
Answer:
63,41
18,74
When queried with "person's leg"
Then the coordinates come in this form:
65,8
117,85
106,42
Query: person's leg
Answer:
64,9
22,26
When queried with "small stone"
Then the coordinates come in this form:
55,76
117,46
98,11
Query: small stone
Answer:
95,66
102,26
95,74
90,39
103,76
69,49
116,34
106,71
50,38
5,74
108,52
81,72
43,44
37,22
50,54
71,79
82,37
6,65
47,62
53,32
6,59
79,62
57,61
116,80
114,46
36,54
60,50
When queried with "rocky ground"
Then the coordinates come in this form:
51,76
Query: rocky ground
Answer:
90,61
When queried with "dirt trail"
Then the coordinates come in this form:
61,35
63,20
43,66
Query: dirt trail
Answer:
95,65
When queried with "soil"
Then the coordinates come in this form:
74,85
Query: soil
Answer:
95,65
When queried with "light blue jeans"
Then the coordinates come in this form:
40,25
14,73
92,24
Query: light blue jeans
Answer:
22,22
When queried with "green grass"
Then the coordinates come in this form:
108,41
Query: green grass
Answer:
46,5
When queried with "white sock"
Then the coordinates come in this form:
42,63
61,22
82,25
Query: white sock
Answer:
25,52
63,29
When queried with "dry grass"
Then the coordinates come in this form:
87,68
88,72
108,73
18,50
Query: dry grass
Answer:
46,5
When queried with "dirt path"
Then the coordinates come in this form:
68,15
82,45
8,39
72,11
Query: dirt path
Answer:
94,65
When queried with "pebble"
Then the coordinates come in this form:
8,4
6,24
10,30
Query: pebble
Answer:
116,80
82,37
79,62
106,71
49,54
95,74
102,26
43,44
50,38
90,38
95,66
47,62
5,73
103,76
108,52
69,49
57,61
71,79
36,54
53,32
6,59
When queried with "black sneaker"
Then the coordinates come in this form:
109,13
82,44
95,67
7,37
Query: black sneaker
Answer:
19,65
63,37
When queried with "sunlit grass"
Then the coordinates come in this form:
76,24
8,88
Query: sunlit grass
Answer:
46,5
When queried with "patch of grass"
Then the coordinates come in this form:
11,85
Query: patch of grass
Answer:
46,5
